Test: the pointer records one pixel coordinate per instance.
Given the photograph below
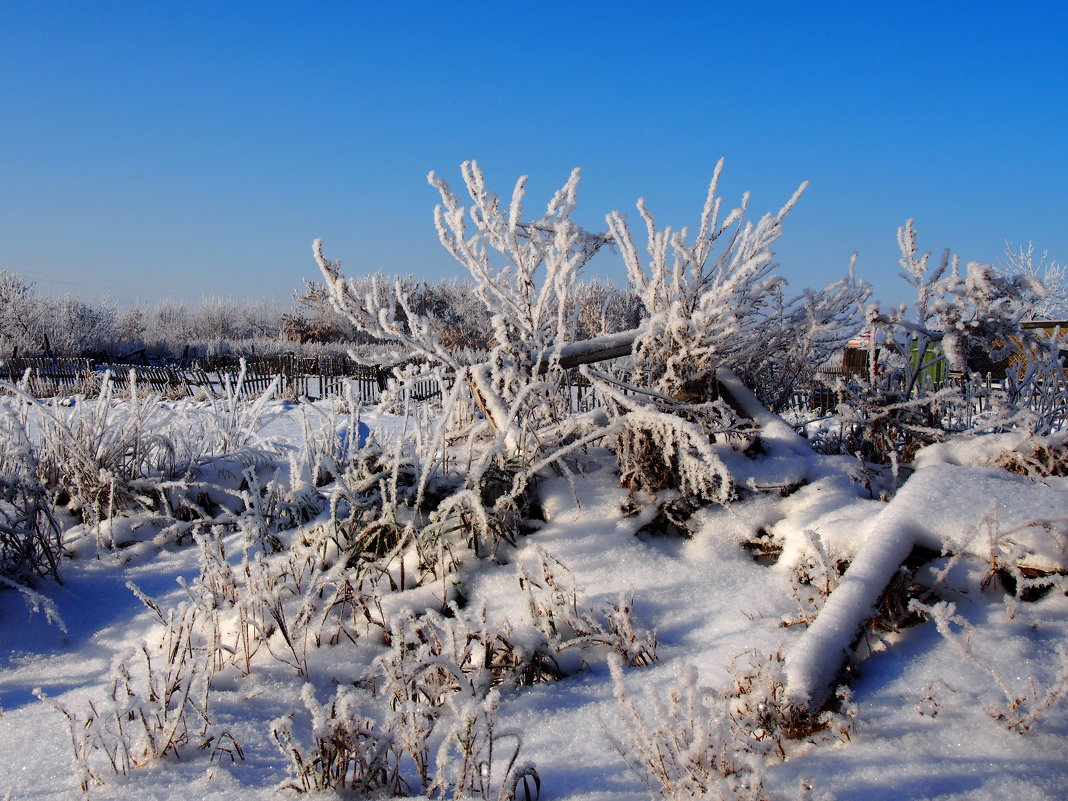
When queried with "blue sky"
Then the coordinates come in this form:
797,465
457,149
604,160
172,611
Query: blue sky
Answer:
155,149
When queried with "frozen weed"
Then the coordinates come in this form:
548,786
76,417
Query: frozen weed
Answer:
106,455
36,603
431,656
439,678
686,748
467,761
707,744
31,543
763,719
1037,457
812,578
158,705
1018,710
348,751
1009,562
554,612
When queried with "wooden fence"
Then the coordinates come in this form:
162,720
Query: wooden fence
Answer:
317,378
47,377
293,377
296,377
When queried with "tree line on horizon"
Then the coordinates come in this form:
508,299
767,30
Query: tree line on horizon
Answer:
34,324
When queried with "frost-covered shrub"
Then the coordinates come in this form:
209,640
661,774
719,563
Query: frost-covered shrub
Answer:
813,577
714,306
1046,297
509,406
30,540
727,309
441,677
1036,392
662,445
903,401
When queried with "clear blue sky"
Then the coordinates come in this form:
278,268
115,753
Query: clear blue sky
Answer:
157,149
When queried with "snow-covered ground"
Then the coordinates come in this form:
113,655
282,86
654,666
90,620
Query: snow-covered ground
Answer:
929,716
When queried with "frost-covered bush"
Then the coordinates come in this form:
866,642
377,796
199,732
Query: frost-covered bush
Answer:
697,309
714,307
103,456
435,733
1045,298
523,272
717,303
903,400
509,405
30,539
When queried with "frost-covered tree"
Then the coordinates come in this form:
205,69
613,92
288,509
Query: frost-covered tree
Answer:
1046,297
20,314
130,328
463,320
523,273
74,327
316,320
260,319
168,322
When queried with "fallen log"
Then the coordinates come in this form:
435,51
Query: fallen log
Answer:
935,510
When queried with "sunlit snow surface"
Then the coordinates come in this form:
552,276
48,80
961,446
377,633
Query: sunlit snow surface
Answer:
923,728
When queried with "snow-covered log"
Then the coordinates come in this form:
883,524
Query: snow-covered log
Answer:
773,428
936,509
597,349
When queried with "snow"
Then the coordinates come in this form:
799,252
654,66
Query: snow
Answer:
923,729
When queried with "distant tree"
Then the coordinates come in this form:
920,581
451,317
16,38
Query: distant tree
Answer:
602,308
316,319
20,314
75,327
215,317
130,329
168,323
261,319
462,318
